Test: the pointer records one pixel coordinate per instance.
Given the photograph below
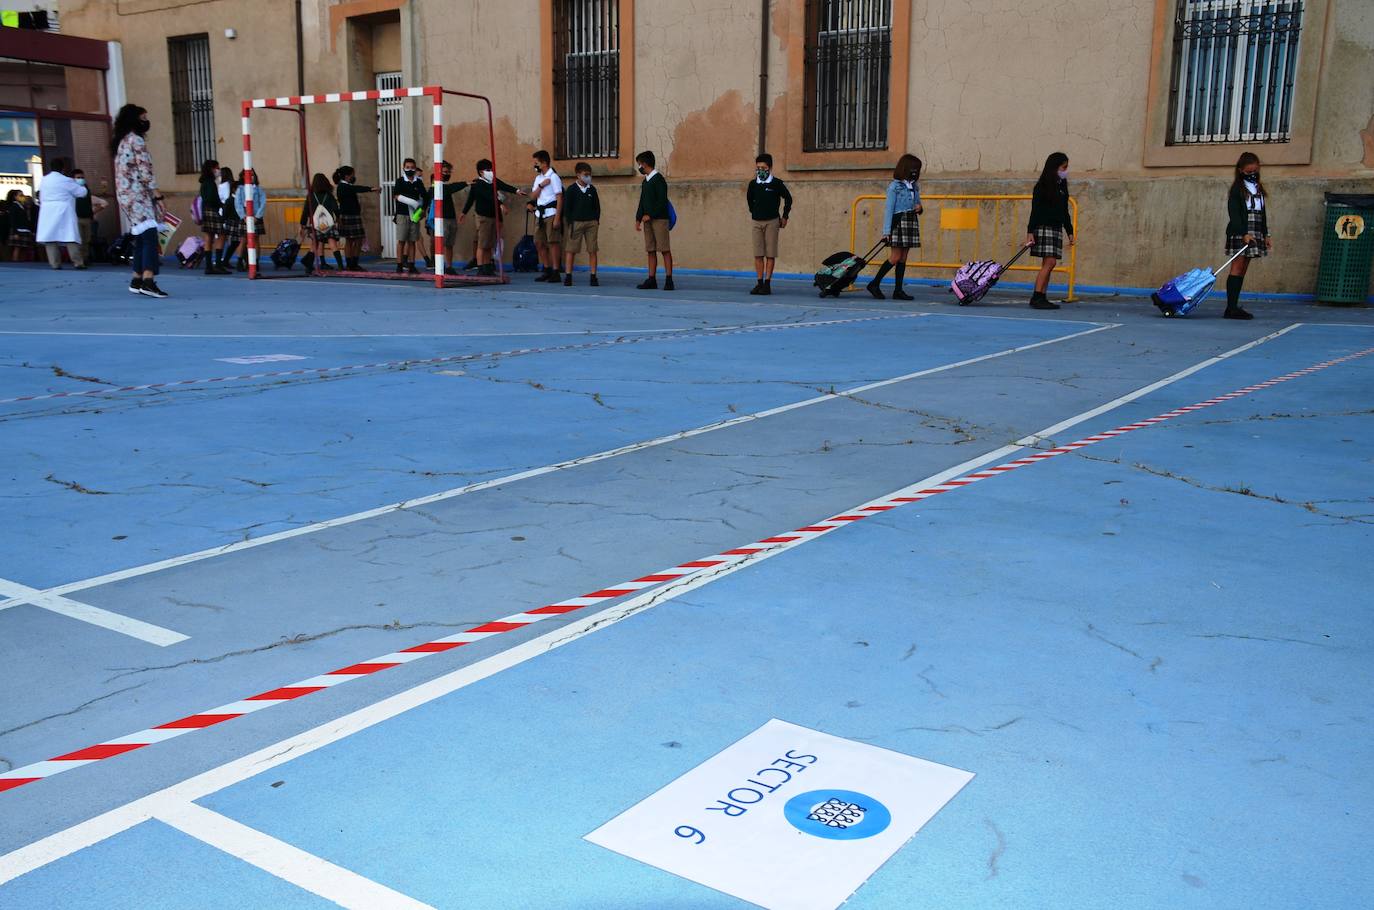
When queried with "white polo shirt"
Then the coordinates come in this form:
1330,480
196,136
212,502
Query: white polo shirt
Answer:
549,194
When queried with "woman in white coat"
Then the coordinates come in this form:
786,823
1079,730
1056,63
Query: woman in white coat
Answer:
57,224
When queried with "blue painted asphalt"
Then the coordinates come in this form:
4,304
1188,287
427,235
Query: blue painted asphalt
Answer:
1012,628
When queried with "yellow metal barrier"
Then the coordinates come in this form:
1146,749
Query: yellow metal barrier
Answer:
962,225
282,220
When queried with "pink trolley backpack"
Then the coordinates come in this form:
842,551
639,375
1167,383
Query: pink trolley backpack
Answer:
973,280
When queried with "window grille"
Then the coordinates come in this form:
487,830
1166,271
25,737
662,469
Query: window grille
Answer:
586,78
193,103
847,73
1233,72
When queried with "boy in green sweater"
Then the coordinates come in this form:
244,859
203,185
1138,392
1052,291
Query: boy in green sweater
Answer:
652,219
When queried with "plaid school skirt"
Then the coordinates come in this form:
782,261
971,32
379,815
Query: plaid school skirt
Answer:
232,229
1049,242
350,227
211,224
1254,223
906,230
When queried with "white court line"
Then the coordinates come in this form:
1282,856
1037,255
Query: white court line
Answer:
113,821
115,622
237,546
304,870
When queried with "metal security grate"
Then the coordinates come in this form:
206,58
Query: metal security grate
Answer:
847,73
193,102
1234,65
586,78
390,155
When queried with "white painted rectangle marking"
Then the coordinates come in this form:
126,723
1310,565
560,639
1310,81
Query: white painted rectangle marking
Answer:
787,818
260,358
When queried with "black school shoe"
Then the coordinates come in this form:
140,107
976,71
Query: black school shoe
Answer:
648,284
875,290
1041,302
668,283
900,294
758,288
1237,313
593,282
567,280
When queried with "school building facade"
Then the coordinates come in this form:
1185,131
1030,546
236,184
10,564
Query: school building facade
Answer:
1153,100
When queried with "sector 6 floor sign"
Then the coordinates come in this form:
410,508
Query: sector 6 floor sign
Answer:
776,817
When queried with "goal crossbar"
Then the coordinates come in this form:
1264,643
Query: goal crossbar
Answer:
435,94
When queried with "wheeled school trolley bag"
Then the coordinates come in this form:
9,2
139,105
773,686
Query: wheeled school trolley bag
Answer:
526,255
839,270
973,281
1181,296
284,256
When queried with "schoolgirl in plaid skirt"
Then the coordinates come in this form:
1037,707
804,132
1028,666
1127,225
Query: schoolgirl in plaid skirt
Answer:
1247,228
901,224
211,216
1050,220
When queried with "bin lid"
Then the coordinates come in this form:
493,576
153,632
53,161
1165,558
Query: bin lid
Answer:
1353,200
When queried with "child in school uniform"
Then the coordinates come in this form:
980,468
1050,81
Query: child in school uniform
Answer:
901,224
231,223
1247,229
547,205
351,230
409,195
770,205
652,219
321,194
211,220
581,222
244,192
481,199
1050,220
447,211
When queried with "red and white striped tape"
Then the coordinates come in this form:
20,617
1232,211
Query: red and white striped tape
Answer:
457,358
28,774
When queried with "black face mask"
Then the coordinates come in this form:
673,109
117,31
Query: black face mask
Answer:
410,172
142,127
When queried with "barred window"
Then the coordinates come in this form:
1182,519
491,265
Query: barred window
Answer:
586,78
847,74
1234,65
193,103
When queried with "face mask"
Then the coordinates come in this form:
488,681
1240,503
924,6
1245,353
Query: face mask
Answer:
643,170
487,175
586,179
143,126
1063,174
761,173
1252,178
410,172
81,181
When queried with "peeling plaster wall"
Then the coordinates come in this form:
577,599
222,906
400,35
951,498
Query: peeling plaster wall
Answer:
995,85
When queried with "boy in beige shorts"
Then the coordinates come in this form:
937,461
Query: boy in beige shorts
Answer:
652,218
581,219
770,205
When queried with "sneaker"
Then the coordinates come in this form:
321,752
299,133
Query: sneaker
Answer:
567,280
150,289
593,282
668,283
1236,313
648,284
875,290
900,294
136,286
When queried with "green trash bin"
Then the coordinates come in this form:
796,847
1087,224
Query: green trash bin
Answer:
1347,249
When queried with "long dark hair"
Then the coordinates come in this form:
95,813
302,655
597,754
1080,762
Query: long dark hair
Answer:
1246,159
908,168
1049,175
320,185
343,173
226,175
126,122
209,169
243,178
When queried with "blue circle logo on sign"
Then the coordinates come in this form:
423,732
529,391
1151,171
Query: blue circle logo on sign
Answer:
837,814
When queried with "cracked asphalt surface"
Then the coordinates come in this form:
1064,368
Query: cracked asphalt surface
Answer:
1173,611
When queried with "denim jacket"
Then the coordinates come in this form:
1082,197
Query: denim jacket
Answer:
899,199
259,201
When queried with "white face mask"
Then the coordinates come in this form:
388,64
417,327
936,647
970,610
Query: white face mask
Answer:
586,179
487,175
